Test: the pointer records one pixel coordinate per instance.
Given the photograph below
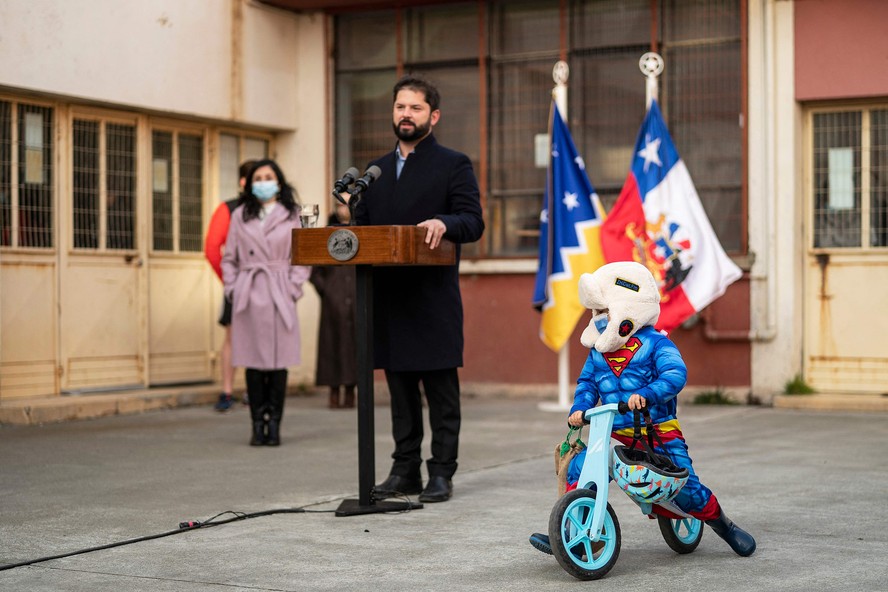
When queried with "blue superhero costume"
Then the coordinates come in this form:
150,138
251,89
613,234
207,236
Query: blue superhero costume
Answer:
651,366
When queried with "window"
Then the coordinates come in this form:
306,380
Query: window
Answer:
26,175
366,70
103,184
701,97
177,188
850,178
524,47
493,65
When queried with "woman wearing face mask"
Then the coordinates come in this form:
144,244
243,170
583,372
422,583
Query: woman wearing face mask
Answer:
263,288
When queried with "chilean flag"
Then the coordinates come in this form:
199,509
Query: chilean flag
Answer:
658,220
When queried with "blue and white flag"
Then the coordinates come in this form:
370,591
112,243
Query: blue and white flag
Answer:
570,243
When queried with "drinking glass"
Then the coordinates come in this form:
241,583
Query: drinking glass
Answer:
308,215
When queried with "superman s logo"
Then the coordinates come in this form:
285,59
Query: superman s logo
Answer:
619,359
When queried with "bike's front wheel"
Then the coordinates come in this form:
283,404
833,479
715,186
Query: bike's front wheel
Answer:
570,535
682,535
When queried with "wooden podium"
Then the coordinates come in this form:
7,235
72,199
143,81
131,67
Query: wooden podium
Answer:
366,247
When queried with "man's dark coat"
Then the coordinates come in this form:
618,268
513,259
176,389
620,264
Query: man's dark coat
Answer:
418,310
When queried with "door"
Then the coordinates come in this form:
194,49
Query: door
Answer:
180,328
846,265
102,311
28,250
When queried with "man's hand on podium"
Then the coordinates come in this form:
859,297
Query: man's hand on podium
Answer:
435,230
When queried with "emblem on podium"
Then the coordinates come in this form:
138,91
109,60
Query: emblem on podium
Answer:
342,244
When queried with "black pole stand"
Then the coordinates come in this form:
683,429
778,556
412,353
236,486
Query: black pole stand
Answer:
365,504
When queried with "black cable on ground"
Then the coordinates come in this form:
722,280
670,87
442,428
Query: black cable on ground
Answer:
183,527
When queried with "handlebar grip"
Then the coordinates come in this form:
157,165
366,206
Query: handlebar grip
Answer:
623,407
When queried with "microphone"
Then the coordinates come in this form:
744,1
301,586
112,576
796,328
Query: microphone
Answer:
347,179
370,175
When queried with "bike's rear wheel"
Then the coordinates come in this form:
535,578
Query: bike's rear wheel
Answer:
682,535
571,539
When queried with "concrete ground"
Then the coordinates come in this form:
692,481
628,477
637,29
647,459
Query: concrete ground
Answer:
805,483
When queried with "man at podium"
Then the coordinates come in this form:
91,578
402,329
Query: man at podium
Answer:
418,315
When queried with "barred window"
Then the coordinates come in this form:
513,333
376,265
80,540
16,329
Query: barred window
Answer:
103,183
190,193
26,175
495,117
177,191
162,191
878,194
850,178
85,208
120,158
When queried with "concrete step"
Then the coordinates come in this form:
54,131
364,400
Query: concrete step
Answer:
43,410
832,402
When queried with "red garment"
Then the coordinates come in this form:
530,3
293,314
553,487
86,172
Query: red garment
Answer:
217,235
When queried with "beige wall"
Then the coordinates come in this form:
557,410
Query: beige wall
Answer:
775,200
172,56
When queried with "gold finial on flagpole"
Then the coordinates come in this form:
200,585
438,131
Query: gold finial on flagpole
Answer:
651,65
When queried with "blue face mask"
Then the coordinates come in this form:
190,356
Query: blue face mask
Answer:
265,190
601,324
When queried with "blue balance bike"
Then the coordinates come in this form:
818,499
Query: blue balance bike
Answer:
583,528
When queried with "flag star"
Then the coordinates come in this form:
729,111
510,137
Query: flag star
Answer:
580,163
544,217
554,151
650,152
570,201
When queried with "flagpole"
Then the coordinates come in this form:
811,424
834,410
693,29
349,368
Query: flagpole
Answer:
560,73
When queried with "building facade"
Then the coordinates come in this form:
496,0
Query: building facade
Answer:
121,127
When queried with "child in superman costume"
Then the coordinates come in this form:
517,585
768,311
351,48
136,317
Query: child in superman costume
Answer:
632,362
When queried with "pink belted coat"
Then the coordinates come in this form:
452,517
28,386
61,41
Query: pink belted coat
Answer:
263,288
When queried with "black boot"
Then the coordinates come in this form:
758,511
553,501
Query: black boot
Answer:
256,387
739,540
259,437
274,433
277,392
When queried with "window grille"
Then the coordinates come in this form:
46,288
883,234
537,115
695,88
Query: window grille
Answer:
177,191
879,178
85,209
850,178
5,174
120,158
701,98
103,175
26,175
190,193
162,190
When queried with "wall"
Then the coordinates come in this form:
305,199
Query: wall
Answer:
841,49
503,344
160,55
302,152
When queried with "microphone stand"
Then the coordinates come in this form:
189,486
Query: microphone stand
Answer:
351,203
